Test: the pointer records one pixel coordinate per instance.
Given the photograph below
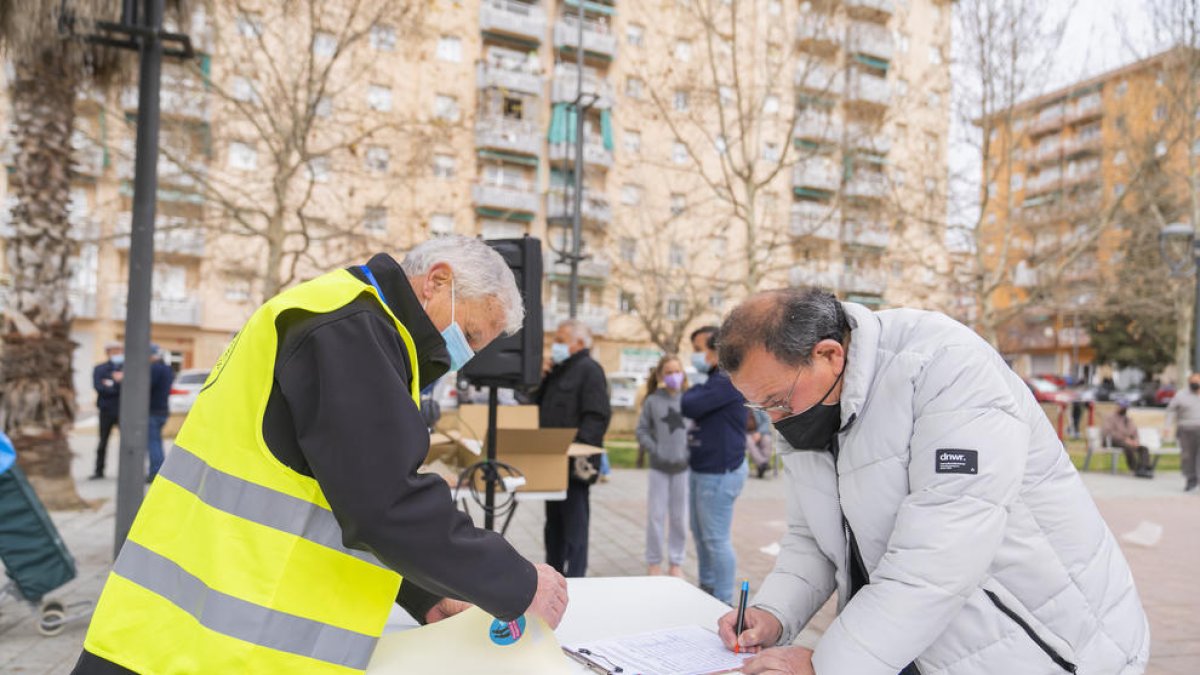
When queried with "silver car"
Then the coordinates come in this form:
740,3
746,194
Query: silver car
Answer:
187,385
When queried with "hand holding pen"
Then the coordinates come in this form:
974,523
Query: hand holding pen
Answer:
760,629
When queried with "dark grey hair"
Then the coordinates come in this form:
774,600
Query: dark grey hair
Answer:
788,323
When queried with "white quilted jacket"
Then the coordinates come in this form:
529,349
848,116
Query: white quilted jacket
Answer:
1007,569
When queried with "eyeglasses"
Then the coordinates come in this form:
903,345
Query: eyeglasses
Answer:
785,408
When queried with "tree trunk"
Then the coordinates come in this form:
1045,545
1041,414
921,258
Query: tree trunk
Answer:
37,398
1185,290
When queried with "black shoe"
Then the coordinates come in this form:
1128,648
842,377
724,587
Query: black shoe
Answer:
1144,473
1191,486
99,475
762,470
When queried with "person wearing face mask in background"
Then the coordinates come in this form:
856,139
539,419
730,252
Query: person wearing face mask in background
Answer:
717,459
573,395
291,510
662,431
1123,433
1183,415
930,491
106,380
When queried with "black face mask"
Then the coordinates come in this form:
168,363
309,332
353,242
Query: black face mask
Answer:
814,428
1194,386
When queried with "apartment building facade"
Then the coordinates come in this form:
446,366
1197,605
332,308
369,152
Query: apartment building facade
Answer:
1064,160
496,83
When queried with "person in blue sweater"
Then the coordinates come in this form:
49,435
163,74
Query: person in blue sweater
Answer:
717,459
161,379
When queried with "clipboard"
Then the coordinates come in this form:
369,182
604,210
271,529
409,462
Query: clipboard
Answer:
684,650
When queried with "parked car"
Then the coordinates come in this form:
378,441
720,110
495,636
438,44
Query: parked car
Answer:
1164,395
1057,380
185,389
1048,392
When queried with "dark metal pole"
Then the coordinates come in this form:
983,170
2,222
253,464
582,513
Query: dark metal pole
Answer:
1195,315
577,215
491,476
135,389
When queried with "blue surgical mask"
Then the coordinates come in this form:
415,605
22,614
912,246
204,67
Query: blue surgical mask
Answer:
559,352
456,341
117,359
699,363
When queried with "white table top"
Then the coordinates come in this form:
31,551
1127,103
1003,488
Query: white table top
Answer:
605,607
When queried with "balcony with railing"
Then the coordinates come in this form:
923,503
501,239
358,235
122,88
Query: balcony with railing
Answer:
815,220
175,311
815,29
88,155
1047,120
172,235
868,137
871,39
1081,172
817,126
1044,181
594,152
809,274
1048,151
509,196
180,96
1080,144
818,173
83,303
169,173
522,19
566,79
598,38
512,78
867,233
867,184
878,8
870,282
595,318
596,207
508,135
591,267
818,77
1085,107
867,88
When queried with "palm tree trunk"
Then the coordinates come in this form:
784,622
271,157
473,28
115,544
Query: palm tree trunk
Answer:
37,398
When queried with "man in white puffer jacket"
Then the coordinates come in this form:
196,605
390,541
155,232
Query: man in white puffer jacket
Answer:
927,487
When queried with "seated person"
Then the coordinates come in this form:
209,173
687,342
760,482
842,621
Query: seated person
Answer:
1123,433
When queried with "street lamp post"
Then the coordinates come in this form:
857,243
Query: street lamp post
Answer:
1177,243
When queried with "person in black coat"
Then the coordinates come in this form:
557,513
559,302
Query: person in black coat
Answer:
573,394
106,380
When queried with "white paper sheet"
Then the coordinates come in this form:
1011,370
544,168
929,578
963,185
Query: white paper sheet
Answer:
461,645
686,650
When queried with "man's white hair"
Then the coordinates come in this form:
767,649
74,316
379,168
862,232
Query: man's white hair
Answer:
579,331
479,272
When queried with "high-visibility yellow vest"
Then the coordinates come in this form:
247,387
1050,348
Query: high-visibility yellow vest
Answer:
235,562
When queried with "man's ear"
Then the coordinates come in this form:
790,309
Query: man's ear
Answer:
438,275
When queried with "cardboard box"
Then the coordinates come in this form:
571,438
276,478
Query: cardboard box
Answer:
539,454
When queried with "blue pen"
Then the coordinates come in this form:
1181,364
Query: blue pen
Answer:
741,620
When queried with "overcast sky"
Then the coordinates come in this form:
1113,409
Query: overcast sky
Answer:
1101,35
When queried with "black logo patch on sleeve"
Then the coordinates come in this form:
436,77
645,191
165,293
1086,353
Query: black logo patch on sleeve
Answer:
950,460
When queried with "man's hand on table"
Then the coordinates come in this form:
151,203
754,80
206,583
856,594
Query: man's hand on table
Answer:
445,609
781,661
550,600
761,629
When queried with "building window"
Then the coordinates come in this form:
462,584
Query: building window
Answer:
444,166
502,229
377,158
633,142
449,49
771,104
680,101
1017,181
901,41
935,56
631,195
242,89
716,300
674,309
1160,148
683,51
383,38
1121,123
625,302
720,144
242,156
445,108
1160,78
375,220
1122,87
1118,189
1160,113
676,255
678,203
238,290
379,98
628,249
679,153
249,24
633,87
771,152
725,95
441,224
1119,158
318,169
324,44
634,35
324,107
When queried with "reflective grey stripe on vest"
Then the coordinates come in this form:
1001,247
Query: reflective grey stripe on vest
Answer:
239,618
257,503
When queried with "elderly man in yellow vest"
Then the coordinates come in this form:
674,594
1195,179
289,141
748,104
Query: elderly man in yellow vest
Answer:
289,516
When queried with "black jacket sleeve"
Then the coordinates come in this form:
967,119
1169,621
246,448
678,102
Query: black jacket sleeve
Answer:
346,382
594,408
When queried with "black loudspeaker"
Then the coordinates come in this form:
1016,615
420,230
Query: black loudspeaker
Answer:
515,361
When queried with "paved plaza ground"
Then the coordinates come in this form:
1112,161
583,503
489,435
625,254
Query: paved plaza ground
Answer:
1167,572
